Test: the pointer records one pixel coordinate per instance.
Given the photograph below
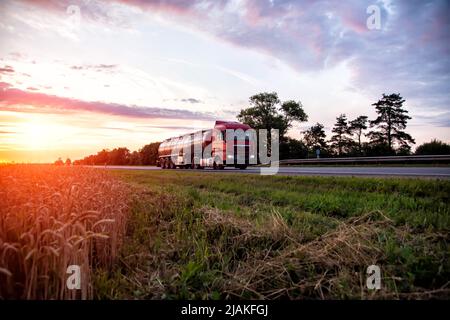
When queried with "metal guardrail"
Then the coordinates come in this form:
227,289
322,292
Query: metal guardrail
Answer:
431,158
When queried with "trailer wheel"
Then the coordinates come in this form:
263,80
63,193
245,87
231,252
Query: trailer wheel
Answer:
163,164
218,164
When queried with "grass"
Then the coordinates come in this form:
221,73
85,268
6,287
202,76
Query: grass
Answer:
201,236
53,217
193,235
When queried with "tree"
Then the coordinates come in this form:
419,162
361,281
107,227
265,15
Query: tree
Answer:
375,149
100,159
356,129
149,153
391,122
119,156
267,112
59,162
403,150
293,149
340,140
135,158
68,162
314,138
433,147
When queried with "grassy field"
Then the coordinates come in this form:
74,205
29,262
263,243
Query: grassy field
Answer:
182,234
193,235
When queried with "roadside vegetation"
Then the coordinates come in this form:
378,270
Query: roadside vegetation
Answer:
222,236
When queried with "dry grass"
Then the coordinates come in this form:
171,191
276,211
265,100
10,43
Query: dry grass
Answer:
314,269
208,253
328,267
53,217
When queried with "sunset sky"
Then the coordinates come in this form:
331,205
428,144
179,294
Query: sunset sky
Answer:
80,76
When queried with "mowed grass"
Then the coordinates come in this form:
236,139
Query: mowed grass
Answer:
219,236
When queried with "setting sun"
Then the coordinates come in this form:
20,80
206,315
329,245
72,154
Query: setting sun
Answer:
38,135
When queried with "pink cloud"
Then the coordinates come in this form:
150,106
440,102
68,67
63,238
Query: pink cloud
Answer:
17,100
6,69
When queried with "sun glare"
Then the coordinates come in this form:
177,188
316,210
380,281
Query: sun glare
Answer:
38,135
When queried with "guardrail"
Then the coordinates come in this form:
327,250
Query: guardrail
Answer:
431,158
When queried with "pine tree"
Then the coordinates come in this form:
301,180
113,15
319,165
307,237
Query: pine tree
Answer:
314,138
391,122
356,128
340,141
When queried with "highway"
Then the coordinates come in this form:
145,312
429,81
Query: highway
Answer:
368,171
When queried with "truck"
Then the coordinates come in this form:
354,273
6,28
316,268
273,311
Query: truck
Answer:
209,148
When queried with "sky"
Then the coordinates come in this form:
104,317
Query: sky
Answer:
77,76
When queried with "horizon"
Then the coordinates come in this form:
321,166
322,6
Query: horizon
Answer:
77,77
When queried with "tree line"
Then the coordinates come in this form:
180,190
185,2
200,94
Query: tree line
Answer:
147,155
382,136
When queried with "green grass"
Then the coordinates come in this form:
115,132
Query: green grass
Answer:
216,236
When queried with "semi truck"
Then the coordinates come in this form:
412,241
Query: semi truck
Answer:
227,144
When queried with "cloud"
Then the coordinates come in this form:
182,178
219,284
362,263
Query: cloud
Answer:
108,13
408,55
17,100
191,100
115,128
96,67
4,85
6,69
16,54
170,127
437,120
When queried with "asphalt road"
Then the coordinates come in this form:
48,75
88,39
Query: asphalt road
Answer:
427,172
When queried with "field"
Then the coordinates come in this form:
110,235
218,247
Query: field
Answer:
195,235
223,236
53,217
